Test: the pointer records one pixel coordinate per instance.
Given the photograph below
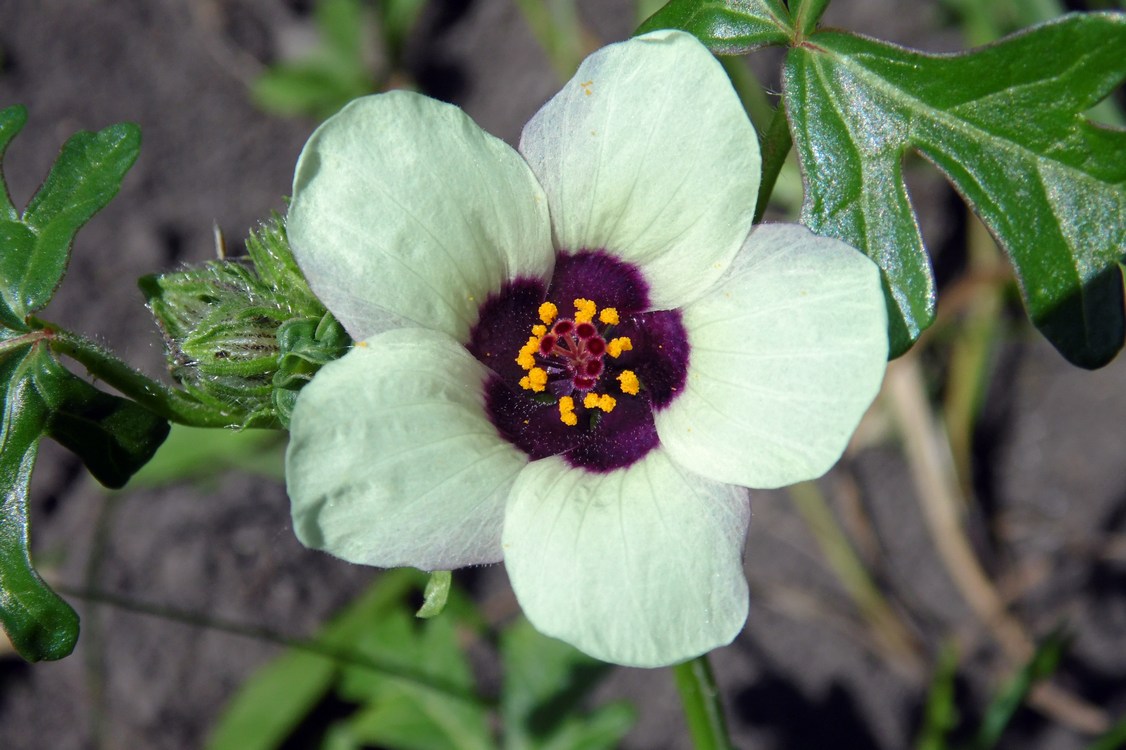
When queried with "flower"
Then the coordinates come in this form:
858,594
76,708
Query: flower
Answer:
573,358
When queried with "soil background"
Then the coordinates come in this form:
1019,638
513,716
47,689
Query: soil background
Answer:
1050,444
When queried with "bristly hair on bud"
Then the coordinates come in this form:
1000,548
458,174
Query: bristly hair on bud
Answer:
245,334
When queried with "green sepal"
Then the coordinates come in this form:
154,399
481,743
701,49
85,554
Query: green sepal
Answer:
435,594
306,345
1005,123
726,27
40,625
182,300
114,437
247,333
86,175
237,342
273,262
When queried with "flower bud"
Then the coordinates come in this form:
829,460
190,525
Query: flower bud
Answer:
245,334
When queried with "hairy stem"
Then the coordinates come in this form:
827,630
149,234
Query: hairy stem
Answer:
702,708
775,148
173,405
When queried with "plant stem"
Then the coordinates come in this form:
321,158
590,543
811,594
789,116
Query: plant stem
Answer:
806,14
173,405
341,654
775,148
702,708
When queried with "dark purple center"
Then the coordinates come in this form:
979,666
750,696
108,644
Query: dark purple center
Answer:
578,359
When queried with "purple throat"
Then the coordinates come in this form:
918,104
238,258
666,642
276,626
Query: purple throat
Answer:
584,389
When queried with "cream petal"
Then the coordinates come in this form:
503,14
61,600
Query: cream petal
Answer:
392,460
787,352
641,566
648,154
405,213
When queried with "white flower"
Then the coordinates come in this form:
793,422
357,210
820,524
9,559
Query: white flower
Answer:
598,445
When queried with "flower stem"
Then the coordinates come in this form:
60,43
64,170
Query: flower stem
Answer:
702,708
173,405
775,148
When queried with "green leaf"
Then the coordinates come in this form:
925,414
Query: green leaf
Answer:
412,715
307,89
1005,124
342,24
114,437
274,702
40,625
337,71
545,683
1041,666
413,685
16,242
397,18
807,13
279,696
941,713
86,175
727,27
12,120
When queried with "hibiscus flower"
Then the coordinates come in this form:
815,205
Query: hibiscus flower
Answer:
573,358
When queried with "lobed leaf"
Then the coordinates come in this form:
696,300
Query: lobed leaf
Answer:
12,120
727,27
86,175
113,436
1005,124
40,625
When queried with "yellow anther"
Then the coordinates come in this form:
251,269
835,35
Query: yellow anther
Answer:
605,402
629,382
526,356
609,316
584,310
567,411
547,312
619,345
539,330
535,380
